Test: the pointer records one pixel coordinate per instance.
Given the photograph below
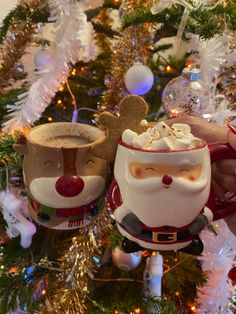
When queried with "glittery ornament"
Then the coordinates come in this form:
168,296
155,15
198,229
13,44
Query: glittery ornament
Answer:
233,299
19,68
126,261
139,79
186,94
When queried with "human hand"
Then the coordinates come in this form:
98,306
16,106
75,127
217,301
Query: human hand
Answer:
224,171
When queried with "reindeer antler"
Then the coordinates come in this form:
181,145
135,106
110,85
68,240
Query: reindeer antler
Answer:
133,109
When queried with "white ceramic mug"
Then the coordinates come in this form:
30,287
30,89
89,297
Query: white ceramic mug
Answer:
157,195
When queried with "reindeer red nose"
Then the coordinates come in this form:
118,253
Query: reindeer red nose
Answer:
167,179
69,186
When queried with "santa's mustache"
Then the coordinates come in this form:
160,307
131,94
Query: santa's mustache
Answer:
177,184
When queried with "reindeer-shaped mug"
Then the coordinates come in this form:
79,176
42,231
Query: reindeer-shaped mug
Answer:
63,178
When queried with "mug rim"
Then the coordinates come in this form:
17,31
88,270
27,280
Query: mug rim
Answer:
201,145
94,143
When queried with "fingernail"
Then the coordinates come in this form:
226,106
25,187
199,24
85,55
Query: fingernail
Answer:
232,128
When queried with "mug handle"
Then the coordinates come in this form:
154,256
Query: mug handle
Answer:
219,151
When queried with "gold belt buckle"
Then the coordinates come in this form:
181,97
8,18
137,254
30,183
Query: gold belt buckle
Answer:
172,237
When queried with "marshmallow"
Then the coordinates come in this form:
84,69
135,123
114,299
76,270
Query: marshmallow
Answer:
163,144
128,136
195,142
184,128
178,134
162,137
144,122
142,140
183,143
163,129
186,143
154,133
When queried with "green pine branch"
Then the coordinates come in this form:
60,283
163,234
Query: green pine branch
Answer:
183,271
10,162
146,304
17,291
230,11
115,238
205,23
7,153
20,13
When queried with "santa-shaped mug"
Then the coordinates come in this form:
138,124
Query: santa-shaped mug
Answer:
160,198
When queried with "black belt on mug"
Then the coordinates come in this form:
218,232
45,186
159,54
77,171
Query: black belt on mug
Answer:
167,237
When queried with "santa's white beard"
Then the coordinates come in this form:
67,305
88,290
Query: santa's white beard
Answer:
157,206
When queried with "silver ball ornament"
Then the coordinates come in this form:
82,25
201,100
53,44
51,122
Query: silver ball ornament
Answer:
43,59
139,79
125,261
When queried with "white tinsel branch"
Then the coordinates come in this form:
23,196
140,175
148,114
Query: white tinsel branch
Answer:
212,53
217,259
219,110
73,41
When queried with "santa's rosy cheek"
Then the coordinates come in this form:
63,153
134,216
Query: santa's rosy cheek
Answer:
191,177
138,172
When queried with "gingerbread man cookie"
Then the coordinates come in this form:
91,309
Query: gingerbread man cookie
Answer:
132,111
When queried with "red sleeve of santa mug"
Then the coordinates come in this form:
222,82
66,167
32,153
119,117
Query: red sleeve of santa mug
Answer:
232,136
227,203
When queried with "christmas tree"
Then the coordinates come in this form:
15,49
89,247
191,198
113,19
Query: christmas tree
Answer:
76,61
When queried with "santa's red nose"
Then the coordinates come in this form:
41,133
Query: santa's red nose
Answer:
167,179
69,186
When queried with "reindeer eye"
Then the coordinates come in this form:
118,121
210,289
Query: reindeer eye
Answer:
49,162
90,162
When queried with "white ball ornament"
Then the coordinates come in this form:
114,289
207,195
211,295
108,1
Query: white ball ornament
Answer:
139,79
126,261
43,59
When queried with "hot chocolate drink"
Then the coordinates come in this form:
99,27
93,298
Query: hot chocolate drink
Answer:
65,141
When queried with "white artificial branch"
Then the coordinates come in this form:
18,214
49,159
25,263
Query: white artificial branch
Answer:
73,41
217,259
212,53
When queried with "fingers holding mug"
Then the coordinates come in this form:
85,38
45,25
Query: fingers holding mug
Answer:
224,174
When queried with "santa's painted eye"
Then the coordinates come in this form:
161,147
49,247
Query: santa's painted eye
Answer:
184,170
90,162
149,169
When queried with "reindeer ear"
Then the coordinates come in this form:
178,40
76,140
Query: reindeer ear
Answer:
20,145
133,110
107,120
